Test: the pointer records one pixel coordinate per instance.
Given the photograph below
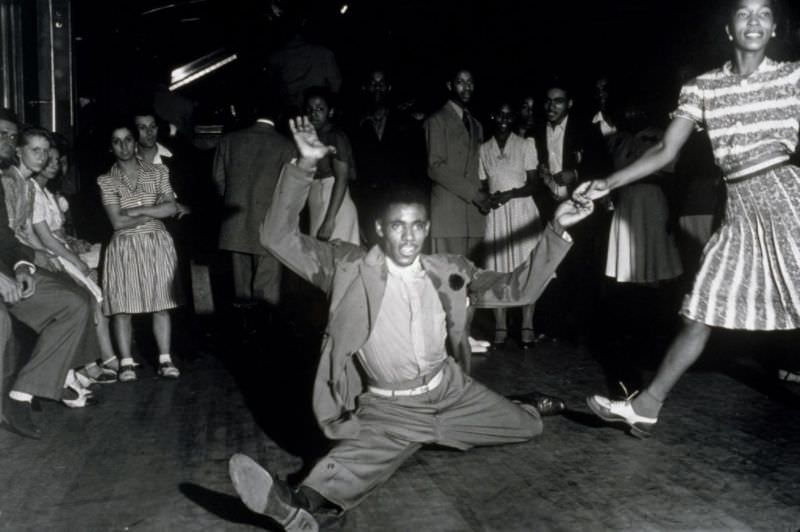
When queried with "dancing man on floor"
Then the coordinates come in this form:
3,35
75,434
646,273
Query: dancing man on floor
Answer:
394,314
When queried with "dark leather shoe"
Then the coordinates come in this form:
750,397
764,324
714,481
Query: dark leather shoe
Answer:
546,405
18,419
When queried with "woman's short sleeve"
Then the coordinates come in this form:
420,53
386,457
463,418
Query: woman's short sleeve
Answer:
529,156
109,192
690,103
39,206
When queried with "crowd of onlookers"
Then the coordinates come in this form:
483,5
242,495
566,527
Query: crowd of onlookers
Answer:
494,177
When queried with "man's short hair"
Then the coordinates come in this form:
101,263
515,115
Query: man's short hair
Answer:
8,115
319,92
397,193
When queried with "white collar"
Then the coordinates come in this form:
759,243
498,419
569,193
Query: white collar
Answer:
266,121
412,270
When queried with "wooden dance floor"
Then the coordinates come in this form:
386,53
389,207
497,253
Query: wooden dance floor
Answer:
153,456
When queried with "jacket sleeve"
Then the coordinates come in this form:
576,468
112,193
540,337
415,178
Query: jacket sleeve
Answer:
311,259
526,283
439,168
11,250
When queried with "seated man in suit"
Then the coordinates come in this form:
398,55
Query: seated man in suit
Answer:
394,316
58,312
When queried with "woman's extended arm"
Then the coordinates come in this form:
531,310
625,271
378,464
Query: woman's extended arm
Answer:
650,162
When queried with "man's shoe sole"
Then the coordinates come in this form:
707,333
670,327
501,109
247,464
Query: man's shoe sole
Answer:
637,430
254,486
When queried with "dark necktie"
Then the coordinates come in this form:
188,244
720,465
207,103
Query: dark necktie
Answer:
465,119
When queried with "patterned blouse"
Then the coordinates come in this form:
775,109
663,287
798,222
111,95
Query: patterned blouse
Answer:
752,121
152,187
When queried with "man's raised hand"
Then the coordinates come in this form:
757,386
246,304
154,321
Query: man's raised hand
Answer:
308,144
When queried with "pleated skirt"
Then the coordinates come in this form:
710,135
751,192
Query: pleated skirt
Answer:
750,273
140,273
639,248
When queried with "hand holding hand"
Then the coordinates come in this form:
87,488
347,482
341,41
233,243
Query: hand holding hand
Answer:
500,198
308,144
483,202
572,211
591,190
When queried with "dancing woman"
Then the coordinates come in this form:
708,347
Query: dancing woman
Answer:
750,275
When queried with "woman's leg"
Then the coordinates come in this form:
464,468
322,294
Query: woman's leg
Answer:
500,326
162,330
682,353
527,334
104,338
124,335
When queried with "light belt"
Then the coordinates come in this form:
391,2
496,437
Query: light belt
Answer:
427,387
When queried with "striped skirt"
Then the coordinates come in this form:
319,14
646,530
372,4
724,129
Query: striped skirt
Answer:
750,273
140,272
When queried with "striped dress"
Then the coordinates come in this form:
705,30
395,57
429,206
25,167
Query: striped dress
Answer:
139,274
750,273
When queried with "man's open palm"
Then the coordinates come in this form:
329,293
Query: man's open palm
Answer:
308,143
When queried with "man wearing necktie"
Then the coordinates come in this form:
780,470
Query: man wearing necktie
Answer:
458,201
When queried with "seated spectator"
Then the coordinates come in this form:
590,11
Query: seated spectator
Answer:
58,312
79,260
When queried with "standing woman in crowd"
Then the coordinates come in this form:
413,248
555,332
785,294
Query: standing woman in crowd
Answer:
332,213
508,165
140,266
750,274
48,224
526,125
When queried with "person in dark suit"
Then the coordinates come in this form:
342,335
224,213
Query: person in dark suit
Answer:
571,151
246,167
58,312
385,384
388,146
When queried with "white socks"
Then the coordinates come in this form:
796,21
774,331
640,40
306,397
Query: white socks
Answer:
20,396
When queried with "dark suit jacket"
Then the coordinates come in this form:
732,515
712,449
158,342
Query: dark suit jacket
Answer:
396,156
453,158
584,149
354,280
246,168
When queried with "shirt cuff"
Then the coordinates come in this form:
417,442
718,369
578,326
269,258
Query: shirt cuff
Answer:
564,235
31,266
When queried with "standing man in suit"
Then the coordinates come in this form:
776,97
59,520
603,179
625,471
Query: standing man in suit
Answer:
388,147
246,168
59,312
458,201
571,150
394,316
